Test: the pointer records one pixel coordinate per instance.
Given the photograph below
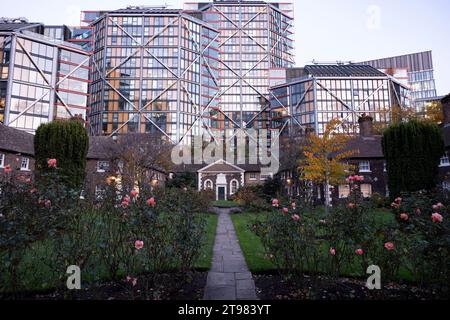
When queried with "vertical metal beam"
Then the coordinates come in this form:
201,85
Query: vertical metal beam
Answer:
10,81
141,75
316,122
52,94
241,123
102,72
180,24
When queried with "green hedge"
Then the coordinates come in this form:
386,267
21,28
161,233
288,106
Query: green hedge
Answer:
412,151
68,143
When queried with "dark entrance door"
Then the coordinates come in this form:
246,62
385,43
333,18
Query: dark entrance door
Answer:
221,193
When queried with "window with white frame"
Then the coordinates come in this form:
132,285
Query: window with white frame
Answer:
252,176
25,164
233,186
344,191
366,190
208,185
2,160
364,166
265,176
100,192
102,166
445,161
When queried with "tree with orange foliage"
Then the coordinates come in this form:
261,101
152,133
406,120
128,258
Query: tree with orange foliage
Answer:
324,161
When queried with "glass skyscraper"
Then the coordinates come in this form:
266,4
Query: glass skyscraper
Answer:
256,38
316,94
153,71
41,78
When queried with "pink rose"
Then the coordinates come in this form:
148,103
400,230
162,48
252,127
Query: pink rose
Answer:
395,205
436,217
138,244
398,200
7,169
125,204
47,204
333,251
293,205
151,202
389,246
133,193
404,217
51,163
295,217
132,280
285,210
351,205
359,251
418,211
275,203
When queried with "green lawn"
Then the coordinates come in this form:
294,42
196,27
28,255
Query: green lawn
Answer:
204,260
251,245
224,204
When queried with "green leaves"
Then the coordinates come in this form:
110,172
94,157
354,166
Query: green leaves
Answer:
412,151
67,142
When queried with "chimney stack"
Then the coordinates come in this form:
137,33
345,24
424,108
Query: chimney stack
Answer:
365,126
446,108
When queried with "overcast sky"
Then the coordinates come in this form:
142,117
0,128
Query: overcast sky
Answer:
325,30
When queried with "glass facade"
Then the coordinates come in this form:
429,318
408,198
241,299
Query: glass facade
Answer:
153,71
313,101
255,37
48,80
420,75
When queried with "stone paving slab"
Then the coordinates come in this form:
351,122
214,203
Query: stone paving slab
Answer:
229,277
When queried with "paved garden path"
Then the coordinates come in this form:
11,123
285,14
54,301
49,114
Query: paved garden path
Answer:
229,277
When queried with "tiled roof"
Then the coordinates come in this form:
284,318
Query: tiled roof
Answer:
100,147
17,26
14,140
343,71
367,147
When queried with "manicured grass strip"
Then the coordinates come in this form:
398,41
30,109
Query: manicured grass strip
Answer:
251,245
224,204
206,252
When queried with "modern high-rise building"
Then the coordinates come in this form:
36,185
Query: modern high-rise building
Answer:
41,78
255,42
154,70
416,70
83,35
316,94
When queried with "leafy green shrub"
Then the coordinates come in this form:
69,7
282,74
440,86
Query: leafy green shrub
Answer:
252,198
379,201
67,142
412,151
425,230
292,239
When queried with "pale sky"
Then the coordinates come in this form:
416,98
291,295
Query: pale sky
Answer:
325,30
